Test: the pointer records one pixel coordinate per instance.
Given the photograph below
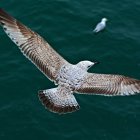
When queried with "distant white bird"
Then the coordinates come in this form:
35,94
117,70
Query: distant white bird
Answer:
69,78
100,26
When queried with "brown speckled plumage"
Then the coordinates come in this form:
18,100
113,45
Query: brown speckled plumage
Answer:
33,46
69,78
107,84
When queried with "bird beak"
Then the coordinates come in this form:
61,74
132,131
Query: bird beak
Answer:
96,63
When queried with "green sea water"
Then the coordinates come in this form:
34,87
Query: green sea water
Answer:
67,25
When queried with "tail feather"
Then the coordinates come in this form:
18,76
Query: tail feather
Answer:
58,102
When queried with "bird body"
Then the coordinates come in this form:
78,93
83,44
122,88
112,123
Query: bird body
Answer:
69,78
100,26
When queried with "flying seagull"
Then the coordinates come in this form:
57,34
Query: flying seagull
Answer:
69,78
100,26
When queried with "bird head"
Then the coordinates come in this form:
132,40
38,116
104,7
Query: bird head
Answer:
104,19
85,65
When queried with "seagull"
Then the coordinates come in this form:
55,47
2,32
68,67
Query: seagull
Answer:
100,26
69,78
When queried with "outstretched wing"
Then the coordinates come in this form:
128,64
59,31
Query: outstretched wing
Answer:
32,45
109,85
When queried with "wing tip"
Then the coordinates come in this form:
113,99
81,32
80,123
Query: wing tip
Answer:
4,16
1,10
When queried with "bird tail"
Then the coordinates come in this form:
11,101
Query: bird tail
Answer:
95,31
58,101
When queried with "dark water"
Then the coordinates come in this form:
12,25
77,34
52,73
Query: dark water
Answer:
67,25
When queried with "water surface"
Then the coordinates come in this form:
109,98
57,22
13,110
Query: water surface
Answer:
67,25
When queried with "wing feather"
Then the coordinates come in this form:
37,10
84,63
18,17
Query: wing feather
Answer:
58,100
33,46
107,84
